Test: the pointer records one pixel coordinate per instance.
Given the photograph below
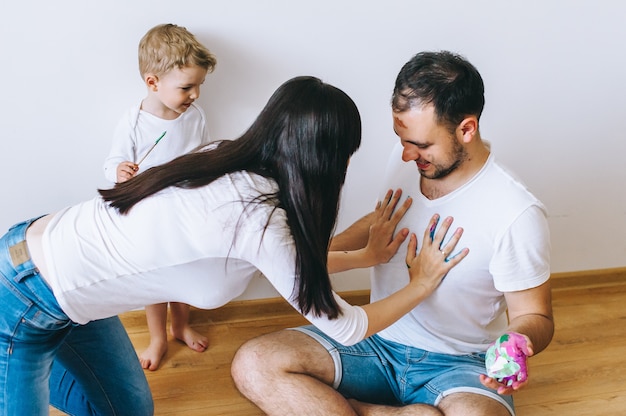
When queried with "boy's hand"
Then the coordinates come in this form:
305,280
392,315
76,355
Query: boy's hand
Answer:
125,171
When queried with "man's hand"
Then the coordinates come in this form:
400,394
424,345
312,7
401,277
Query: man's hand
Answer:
523,343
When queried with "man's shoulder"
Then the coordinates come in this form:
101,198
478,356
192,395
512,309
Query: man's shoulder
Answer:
502,189
500,174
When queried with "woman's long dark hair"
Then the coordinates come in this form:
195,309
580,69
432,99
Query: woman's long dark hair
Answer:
302,139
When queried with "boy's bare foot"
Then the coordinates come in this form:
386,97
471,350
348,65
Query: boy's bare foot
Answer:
150,358
193,339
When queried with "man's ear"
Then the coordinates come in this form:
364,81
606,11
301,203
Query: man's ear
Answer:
152,82
468,128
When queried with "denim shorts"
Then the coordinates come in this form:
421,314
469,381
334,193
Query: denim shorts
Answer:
379,371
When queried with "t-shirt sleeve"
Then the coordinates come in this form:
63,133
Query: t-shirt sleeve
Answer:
205,137
522,258
349,328
122,149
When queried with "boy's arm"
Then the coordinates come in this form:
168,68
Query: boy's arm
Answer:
122,150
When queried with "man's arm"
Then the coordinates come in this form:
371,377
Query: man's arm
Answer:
530,314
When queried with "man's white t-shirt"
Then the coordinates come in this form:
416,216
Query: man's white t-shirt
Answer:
506,231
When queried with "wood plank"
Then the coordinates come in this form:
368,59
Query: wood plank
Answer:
577,375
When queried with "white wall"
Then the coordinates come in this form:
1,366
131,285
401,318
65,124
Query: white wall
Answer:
554,74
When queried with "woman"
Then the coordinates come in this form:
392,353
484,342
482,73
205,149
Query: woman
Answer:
194,230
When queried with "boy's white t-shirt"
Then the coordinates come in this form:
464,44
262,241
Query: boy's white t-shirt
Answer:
197,246
138,130
506,230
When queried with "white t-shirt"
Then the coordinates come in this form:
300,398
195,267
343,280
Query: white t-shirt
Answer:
138,130
506,231
197,246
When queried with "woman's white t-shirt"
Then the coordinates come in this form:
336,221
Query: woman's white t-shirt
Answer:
197,246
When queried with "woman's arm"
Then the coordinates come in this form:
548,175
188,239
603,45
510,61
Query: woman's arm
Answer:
275,260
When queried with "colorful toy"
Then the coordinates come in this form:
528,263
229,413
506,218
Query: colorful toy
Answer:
506,359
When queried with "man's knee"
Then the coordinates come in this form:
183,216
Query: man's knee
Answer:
276,355
246,363
259,359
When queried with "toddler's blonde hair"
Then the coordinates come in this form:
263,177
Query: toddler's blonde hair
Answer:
169,46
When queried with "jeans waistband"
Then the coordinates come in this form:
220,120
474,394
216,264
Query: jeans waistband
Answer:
21,273
15,240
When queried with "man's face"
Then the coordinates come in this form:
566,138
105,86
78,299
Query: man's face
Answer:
436,151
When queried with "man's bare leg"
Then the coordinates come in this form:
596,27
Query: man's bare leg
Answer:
469,404
457,404
182,331
156,317
288,373
367,409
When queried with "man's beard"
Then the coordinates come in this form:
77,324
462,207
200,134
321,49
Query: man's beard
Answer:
458,155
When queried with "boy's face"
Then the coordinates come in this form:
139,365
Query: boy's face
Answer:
172,93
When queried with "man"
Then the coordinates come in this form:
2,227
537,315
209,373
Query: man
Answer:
432,360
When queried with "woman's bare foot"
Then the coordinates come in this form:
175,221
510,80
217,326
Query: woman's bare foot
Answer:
150,358
193,339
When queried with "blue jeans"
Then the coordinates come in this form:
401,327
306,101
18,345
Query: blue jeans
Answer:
45,358
379,371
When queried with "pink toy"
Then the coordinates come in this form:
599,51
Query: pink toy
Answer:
506,359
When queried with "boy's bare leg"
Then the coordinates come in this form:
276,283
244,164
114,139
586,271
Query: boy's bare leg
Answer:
285,372
156,316
182,331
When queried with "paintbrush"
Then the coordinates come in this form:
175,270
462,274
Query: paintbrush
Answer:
151,149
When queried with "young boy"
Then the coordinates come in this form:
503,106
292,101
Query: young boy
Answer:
166,124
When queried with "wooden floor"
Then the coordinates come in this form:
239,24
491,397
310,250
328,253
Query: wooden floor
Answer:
582,373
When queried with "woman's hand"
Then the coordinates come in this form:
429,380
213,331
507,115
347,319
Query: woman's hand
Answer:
435,259
378,228
426,270
382,245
